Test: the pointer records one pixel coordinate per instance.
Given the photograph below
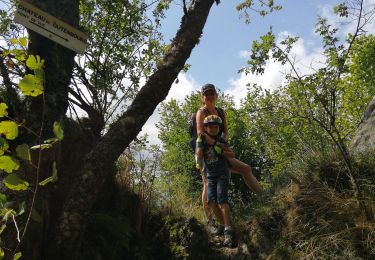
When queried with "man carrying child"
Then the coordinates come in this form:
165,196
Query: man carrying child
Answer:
214,165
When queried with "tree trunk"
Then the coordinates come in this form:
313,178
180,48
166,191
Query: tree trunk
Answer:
100,161
58,66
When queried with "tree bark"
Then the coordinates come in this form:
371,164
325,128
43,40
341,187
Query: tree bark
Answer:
58,68
99,163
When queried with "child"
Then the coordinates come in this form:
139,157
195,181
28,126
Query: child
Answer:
214,165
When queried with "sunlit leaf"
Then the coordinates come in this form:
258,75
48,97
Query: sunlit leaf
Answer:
19,54
3,109
17,256
5,213
3,145
8,164
23,152
13,182
59,132
31,85
34,62
46,181
42,146
14,41
23,41
51,140
9,129
2,254
52,178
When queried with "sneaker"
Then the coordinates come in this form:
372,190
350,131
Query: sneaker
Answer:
220,230
228,237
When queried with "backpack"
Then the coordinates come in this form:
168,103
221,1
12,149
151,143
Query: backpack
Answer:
193,125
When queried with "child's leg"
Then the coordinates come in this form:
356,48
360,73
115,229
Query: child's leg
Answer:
222,198
247,175
225,211
211,191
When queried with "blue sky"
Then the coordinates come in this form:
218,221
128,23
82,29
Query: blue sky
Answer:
216,59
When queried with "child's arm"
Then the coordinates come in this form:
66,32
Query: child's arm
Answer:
199,159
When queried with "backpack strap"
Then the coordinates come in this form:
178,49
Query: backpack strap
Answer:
220,112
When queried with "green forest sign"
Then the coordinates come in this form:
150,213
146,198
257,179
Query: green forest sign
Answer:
50,27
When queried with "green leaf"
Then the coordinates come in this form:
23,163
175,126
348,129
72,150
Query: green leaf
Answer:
59,132
34,62
2,254
23,152
8,164
3,109
9,129
3,145
6,213
42,146
17,256
31,85
13,182
3,198
23,41
52,178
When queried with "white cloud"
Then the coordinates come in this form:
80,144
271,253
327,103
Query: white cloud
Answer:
186,84
244,54
348,25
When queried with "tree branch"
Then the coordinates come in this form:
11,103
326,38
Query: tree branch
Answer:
99,163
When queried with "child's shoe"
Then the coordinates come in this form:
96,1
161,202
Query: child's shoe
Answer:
228,237
220,230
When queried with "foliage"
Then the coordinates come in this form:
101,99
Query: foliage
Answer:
124,46
316,111
29,85
261,7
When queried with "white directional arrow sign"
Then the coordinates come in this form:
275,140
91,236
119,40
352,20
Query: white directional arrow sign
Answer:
50,27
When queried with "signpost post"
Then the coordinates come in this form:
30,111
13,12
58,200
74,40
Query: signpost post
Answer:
50,27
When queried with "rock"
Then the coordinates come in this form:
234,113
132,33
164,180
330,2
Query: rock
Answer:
364,138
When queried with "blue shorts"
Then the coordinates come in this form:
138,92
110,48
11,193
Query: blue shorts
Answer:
217,188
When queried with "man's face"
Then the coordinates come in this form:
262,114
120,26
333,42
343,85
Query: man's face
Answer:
212,130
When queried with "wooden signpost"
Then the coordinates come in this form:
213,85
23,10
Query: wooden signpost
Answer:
50,27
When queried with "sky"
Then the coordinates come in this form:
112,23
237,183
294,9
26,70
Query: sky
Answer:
226,41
